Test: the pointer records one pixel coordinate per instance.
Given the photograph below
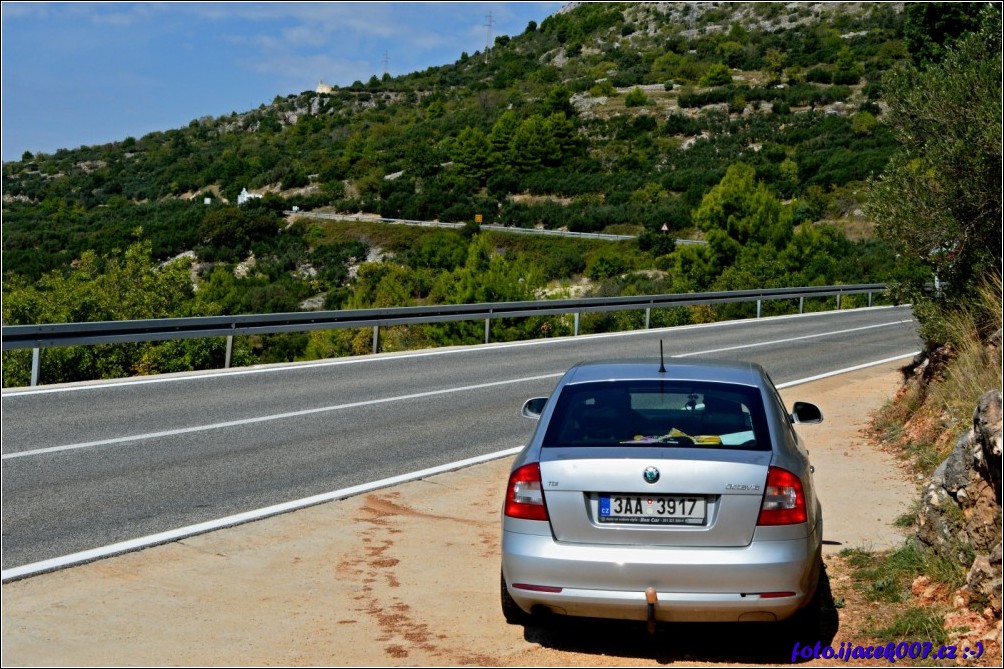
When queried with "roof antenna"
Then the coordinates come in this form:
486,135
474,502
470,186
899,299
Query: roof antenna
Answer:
662,359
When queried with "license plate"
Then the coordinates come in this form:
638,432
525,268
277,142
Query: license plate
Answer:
652,509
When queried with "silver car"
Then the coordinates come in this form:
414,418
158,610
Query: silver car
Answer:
662,492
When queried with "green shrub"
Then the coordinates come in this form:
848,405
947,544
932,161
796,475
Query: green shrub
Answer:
602,89
863,123
718,74
819,75
605,265
636,98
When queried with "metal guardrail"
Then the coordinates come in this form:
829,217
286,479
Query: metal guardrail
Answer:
37,337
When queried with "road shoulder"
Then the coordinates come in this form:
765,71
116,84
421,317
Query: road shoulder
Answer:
402,576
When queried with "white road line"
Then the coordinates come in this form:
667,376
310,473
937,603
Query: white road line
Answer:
788,340
213,374
238,519
846,370
91,555
384,400
277,416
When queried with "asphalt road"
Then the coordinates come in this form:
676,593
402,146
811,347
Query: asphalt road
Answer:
93,464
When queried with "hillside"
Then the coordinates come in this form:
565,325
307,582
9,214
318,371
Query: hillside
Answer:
575,109
750,126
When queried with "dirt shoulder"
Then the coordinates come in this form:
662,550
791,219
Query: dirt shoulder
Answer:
410,576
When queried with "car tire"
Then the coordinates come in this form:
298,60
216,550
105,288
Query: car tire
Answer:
510,609
805,625
806,620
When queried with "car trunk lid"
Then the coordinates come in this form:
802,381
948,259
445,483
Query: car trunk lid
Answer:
654,496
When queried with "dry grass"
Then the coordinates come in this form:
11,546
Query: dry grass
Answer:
910,591
931,412
855,228
976,367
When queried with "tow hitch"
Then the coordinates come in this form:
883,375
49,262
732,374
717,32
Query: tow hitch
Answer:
651,598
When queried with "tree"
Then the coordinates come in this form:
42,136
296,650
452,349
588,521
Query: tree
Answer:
127,285
605,265
487,276
740,211
939,198
788,170
472,152
559,101
774,61
718,74
563,139
439,250
228,232
385,284
931,28
863,123
848,71
501,135
693,267
531,144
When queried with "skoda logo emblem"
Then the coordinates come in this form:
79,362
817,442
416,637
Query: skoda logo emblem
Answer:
651,474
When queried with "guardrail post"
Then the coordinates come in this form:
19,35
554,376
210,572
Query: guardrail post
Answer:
576,323
648,316
801,305
869,298
838,301
230,351
376,338
36,362
758,303
488,328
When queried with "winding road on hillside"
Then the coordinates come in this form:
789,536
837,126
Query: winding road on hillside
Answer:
459,226
88,465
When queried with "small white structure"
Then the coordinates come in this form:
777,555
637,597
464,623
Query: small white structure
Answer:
324,88
245,196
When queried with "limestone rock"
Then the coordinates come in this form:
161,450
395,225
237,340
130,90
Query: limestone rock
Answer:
962,505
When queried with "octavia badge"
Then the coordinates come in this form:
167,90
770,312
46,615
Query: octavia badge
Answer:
651,475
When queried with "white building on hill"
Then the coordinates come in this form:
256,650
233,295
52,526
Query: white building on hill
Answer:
245,196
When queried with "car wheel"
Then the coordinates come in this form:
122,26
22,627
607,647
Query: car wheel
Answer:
807,622
510,609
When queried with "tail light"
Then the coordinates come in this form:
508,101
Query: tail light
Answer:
783,499
524,497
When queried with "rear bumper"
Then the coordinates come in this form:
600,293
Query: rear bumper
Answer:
692,584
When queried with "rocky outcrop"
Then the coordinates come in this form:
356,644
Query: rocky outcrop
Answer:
960,513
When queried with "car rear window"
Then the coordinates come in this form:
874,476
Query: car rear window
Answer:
659,413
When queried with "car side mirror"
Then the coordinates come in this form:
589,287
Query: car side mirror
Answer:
532,408
806,413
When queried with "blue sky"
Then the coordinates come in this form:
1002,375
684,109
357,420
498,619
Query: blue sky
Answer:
76,74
